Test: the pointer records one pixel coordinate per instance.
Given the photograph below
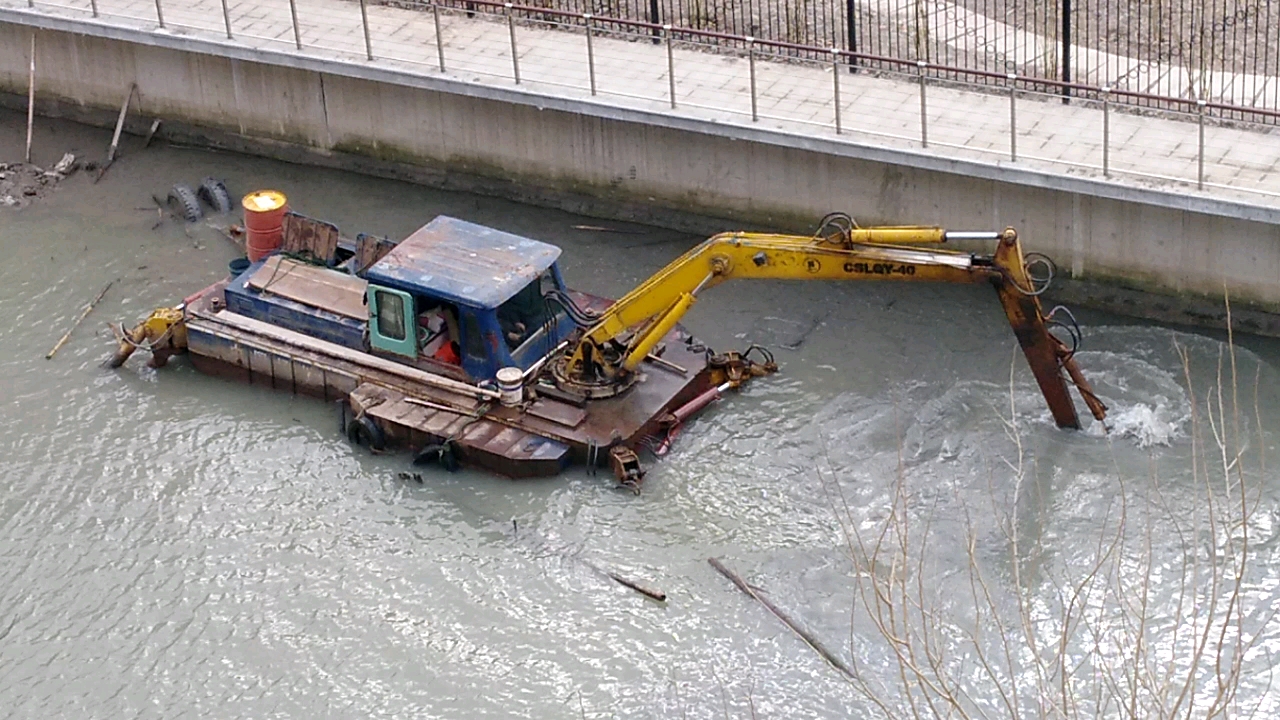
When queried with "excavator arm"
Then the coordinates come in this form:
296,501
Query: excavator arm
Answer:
604,360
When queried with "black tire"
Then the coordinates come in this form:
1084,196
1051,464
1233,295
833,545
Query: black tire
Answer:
183,199
363,431
214,194
442,453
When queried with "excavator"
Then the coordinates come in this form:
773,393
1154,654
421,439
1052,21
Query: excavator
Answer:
603,361
539,376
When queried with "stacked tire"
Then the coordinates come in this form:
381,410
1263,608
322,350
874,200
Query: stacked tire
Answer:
189,203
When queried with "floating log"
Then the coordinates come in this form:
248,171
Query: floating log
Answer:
800,632
151,133
88,309
601,228
115,137
643,588
638,586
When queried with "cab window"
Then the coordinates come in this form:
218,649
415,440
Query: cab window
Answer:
390,315
526,311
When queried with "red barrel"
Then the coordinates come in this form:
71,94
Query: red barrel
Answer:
263,222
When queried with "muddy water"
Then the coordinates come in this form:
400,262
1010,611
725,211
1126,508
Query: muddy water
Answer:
173,545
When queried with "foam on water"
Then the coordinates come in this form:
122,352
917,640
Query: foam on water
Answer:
1146,425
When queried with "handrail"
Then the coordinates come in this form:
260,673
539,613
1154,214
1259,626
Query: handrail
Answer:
905,65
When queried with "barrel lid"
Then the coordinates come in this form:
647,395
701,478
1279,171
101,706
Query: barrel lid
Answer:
510,375
264,201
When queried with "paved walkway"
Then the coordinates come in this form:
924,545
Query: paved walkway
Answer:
1241,165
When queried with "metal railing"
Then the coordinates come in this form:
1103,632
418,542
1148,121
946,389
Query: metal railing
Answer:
1024,94
1228,50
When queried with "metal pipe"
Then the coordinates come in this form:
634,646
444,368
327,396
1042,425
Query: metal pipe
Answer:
684,412
364,22
515,55
971,235
297,32
159,14
1200,104
435,12
1106,132
835,79
1013,117
226,18
924,106
751,68
671,65
591,54
93,4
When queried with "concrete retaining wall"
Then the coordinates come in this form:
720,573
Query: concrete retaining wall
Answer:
617,167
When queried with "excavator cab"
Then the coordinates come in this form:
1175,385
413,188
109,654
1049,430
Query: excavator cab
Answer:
501,298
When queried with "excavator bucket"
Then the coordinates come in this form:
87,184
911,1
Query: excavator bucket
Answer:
1048,357
163,332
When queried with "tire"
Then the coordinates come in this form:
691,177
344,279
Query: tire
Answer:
442,453
183,198
214,194
363,431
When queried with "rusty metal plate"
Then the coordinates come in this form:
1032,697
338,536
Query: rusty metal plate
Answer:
369,250
309,238
557,412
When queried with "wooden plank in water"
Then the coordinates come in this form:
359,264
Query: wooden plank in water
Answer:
311,285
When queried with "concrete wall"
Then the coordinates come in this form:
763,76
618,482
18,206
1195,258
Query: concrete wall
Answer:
612,166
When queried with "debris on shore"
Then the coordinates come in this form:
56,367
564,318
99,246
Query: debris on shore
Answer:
21,183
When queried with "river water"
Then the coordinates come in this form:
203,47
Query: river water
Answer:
173,545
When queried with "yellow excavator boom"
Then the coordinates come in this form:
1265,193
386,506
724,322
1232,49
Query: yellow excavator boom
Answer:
608,352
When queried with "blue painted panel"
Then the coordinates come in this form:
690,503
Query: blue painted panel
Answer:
291,315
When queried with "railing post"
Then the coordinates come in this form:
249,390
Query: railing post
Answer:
1106,131
515,56
924,105
159,14
364,22
1013,117
93,4
226,18
1200,106
435,13
293,15
835,79
851,32
751,70
591,54
671,65
1066,51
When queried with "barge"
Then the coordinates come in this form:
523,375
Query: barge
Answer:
463,344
